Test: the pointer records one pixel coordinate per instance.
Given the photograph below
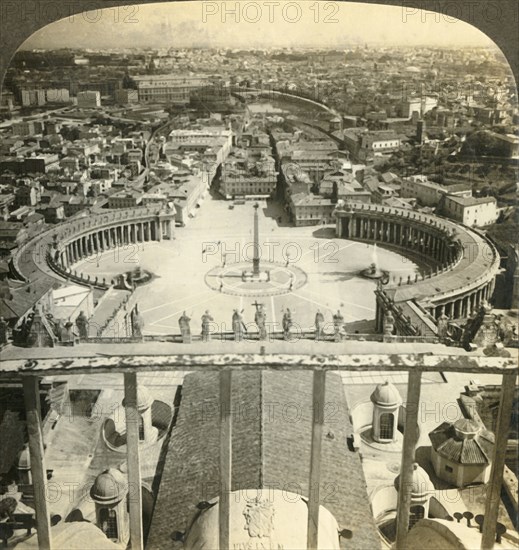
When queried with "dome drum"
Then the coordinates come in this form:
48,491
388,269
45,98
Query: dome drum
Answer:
109,487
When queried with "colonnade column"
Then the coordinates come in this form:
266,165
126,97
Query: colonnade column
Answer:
492,286
464,308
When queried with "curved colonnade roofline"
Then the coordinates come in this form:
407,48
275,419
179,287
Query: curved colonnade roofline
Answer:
49,257
466,262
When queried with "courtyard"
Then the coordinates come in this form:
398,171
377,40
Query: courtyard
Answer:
199,270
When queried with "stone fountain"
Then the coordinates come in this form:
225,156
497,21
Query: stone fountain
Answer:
374,271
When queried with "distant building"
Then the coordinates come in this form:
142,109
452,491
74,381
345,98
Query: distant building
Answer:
419,187
52,127
23,128
69,163
429,193
489,115
173,89
125,200
41,164
418,106
471,211
335,124
99,187
201,139
151,199
89,99
308,209
411,105
58,95
6,101
13,232
125,96
383,192
510,144
27,195
247,176
53,213
347,186
380,141
29,98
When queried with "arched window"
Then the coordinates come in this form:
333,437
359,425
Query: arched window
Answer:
387,423
141,428
108,523
416,513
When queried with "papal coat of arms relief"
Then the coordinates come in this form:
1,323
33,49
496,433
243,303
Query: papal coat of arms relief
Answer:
259,517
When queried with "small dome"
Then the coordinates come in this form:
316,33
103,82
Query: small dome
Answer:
386,395
466,428
421,484
109,487
144,398
24,459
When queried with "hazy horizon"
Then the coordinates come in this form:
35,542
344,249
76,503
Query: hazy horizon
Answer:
262,25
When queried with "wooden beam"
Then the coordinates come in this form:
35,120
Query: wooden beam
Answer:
133,362
31,394
408,455
133,460
319,383
498,461
224,514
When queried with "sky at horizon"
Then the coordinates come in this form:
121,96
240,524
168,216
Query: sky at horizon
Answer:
256,25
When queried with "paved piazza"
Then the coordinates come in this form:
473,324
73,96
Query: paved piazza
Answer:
310,270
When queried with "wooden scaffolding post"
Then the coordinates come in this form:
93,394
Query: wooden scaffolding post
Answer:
133,460
224,515
319,383
408,456
498,461
31,394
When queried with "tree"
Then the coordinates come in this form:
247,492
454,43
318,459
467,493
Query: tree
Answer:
129,83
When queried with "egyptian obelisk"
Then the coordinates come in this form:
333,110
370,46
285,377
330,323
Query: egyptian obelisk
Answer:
256,256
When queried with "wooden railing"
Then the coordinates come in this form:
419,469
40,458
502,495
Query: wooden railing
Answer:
415,364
